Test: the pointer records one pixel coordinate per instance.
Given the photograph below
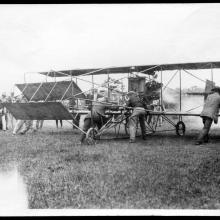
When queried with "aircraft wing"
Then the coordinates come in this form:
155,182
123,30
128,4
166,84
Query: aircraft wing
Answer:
174,113
98,71
146,69
52,90
39,111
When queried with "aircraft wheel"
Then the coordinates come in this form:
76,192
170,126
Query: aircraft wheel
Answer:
91,136
180,128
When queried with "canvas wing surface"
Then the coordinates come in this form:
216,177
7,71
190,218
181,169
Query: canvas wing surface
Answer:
39,111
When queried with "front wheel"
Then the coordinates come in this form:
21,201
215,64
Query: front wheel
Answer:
91,136
180,128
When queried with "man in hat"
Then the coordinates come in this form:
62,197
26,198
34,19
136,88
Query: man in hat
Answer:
138,106
209,114
97,115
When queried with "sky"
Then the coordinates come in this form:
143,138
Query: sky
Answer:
37,38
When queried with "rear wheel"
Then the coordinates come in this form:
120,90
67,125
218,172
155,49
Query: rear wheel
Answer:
180,128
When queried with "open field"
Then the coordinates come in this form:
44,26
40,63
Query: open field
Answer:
164,171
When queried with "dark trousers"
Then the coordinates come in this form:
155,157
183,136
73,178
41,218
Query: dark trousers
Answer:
204,134
61,123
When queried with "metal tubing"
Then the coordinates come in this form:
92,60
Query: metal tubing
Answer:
77,100
72,85
76,126
212,74
194,76
180,92
66,91
24,88
194,108
92,121
50,91
161,89
92,82
93,71
149,68
108,85
93,93
170,80
36,91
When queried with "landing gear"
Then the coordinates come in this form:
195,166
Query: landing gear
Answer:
76,121
91,136
180,128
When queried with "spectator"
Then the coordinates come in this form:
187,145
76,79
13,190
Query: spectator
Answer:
11,99
39,124
4,113
61,123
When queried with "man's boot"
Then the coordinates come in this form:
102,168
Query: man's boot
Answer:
132,141
206,139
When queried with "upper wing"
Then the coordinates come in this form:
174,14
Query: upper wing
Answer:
146,69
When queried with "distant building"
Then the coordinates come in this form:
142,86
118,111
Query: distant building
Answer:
198,91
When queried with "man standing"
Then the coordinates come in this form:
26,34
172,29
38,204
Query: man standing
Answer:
209,114
4,113
39,124
138,113
57,123
11,99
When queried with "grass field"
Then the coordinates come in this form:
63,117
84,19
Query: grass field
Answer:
165,171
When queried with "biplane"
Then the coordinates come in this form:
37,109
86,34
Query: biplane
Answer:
46,100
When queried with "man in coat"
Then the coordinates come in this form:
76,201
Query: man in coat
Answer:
137,114
97,115
209,114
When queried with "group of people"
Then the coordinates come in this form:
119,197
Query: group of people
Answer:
5,115
209,114
98,115
139,105
20,126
